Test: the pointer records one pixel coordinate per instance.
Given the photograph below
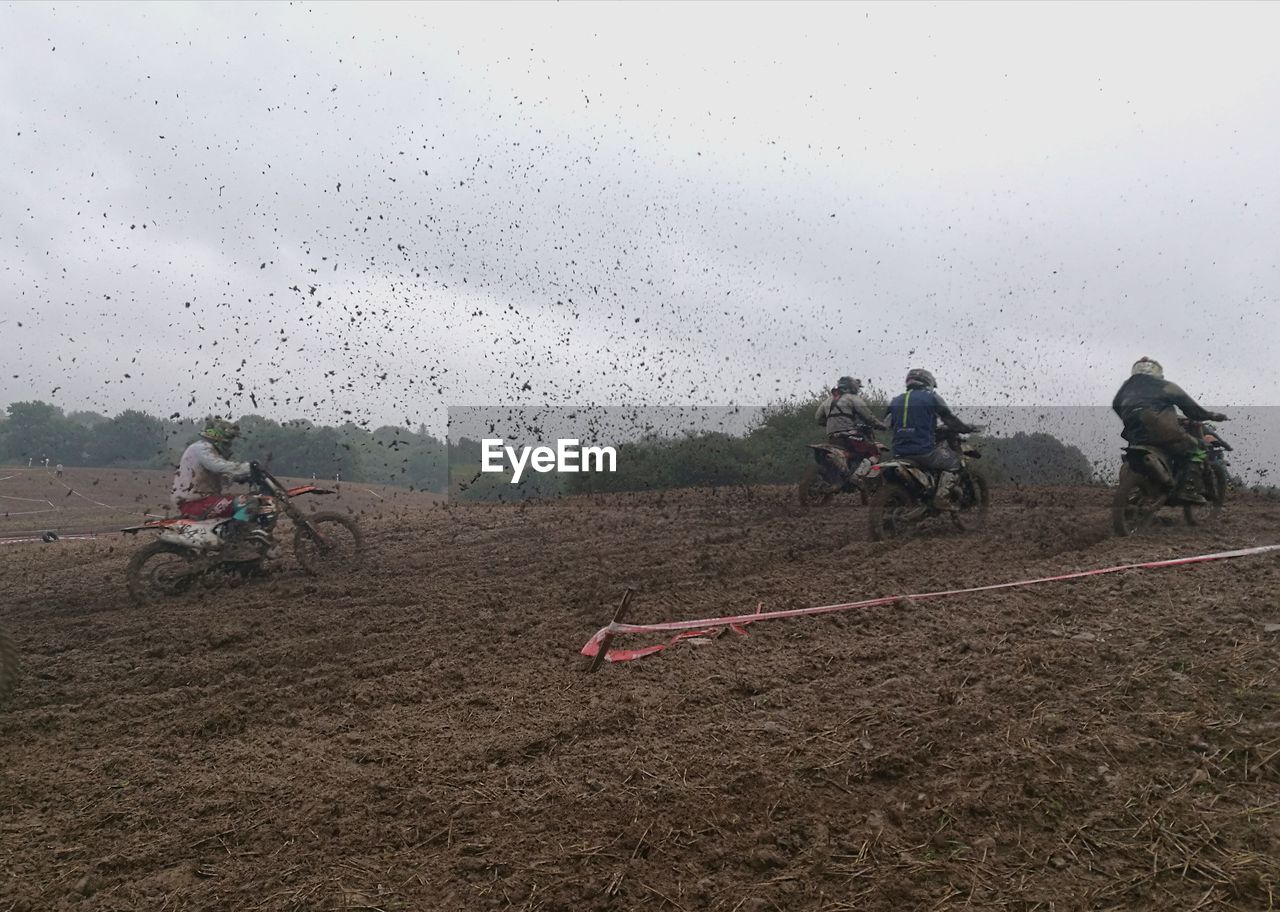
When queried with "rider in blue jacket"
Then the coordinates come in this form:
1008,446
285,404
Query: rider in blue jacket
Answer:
913,417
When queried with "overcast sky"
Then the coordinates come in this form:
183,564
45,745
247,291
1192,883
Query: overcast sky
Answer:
386,210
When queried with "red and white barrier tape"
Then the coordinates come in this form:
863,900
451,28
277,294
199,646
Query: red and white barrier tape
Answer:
705,626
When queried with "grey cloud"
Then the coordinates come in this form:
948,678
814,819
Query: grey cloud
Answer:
486,237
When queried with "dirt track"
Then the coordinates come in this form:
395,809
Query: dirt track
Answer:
33,500
422,737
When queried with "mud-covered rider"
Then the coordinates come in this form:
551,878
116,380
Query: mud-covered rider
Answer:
205,466
849,421
913,417
1148,405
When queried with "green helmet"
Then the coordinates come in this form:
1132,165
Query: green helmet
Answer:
221,433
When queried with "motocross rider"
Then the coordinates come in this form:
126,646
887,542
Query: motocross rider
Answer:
1146,404
205,464
849,421
914,417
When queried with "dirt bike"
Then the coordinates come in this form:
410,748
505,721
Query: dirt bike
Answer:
191,551
1216,448
1149,482
837,471
904,500
8,666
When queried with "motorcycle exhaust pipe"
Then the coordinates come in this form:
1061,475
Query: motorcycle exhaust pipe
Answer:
1158,470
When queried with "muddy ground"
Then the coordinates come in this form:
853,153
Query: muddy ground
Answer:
422,736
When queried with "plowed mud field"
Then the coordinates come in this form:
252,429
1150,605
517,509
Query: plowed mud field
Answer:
422,735
94,501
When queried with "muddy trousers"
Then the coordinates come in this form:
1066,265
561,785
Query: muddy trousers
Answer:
859,448
855,443
946,462
1162,430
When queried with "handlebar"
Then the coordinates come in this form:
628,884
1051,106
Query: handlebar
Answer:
261,477
1190,423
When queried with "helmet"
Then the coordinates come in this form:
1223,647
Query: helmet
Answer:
848,385
220,433
919,378
1145,365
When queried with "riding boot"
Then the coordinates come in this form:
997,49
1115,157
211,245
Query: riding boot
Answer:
1192,489
1188,485
942,491
238,541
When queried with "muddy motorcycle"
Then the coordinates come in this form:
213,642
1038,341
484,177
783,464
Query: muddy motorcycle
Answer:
1149,482
191,552
8,666
903,501
1216,448
835,470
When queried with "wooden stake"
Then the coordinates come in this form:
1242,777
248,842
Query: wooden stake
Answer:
608,637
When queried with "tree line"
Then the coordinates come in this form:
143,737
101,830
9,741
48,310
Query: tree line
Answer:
772,451
38,431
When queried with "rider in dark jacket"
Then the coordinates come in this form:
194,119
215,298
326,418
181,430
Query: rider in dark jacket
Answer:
914,417
1147,404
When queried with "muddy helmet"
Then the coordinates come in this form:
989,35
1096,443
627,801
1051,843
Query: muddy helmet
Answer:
919,378
1145,365
848,385
221,433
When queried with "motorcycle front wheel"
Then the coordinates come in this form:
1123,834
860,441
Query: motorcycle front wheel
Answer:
328,544
1215,492
1223,482
975,500
159,571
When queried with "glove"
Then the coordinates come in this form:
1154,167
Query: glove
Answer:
1218,416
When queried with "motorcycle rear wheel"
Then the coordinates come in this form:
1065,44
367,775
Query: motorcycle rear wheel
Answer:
812,491
339,548
1132,506
8,666
157,571
893,512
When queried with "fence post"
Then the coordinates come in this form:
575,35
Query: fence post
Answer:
608,637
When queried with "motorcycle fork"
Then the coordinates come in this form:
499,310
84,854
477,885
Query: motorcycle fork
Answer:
300,521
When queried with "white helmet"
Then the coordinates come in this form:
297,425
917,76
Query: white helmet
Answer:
1145,365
